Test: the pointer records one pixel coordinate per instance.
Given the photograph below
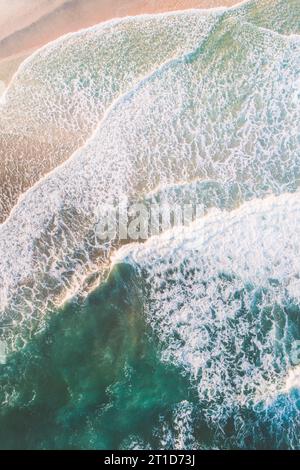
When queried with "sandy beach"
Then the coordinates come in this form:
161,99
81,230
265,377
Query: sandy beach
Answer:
27,25
150,227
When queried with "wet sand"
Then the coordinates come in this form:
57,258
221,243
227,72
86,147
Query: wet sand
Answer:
26,25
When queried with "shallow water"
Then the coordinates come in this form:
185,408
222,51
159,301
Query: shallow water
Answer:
92,379
192,340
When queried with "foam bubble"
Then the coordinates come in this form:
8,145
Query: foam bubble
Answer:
198,106
224,113
217,299
60,93
2,89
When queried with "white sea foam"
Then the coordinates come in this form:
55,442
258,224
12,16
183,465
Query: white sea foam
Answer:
60,93
198,106
217,297
226,112
2,89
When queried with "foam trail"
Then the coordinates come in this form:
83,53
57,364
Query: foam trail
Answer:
208,116
221,297
60,93
277,15
226,113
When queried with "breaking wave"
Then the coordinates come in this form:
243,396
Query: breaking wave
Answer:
198,104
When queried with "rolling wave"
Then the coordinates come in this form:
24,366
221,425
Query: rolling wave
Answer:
200,106
61,92
226,111
222,297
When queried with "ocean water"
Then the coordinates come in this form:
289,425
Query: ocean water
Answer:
195,331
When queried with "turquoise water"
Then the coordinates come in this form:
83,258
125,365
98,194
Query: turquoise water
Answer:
192,339
92,379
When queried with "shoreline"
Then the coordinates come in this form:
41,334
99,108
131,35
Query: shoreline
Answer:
49,23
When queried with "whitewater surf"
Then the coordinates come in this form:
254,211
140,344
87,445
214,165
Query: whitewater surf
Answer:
194,330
